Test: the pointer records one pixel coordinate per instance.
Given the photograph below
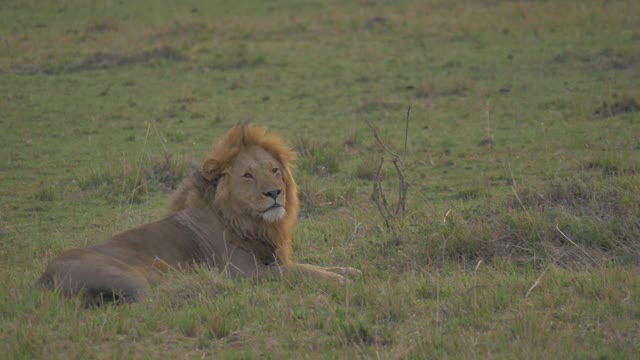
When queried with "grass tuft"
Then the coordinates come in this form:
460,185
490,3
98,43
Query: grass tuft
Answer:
616,107
44,195
317,158
132,183
570,223
469,194
367,169
316,198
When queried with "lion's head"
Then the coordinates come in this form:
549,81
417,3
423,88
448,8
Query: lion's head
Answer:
246,179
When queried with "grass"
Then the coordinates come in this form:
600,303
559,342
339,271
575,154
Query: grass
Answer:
521,237
129,183
317,158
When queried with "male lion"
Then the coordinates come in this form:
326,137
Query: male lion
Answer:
235,214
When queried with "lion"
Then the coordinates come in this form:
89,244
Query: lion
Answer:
234,214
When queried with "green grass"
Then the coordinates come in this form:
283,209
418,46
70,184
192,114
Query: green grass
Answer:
521,237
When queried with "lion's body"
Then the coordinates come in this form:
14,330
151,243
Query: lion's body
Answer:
236,215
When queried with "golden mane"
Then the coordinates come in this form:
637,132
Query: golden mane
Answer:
194,193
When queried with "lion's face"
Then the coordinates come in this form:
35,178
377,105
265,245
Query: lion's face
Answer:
246,180
254,185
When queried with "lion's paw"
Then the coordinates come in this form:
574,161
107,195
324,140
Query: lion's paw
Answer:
344,271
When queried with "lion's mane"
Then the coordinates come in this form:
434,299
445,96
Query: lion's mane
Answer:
193,192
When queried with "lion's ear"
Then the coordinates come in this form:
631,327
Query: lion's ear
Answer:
211,170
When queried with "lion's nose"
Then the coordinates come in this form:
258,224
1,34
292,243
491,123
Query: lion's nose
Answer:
273,193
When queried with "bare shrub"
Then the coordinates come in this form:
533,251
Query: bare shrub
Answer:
390,213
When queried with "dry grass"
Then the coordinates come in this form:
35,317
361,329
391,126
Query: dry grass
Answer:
130,182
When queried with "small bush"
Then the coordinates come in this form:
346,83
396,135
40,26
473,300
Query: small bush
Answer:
611,165
353,328
176,136
315,198
116,184
469,194
44,195
616,107
165,171
367,169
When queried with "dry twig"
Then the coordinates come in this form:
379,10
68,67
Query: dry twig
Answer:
389,216
377,193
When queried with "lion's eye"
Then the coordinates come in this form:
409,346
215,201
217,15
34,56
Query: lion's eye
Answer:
275,170
247,176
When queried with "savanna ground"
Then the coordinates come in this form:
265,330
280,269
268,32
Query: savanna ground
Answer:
521,236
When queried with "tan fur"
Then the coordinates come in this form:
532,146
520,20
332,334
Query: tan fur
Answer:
235,214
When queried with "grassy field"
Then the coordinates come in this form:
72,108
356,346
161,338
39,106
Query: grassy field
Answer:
521,235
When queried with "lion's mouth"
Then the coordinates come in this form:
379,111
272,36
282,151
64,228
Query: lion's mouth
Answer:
274,206
274,213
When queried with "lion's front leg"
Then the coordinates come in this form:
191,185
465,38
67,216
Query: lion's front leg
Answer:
344,271
337,274
239,262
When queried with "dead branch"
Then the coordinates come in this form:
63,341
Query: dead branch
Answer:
403,187
380,143
378,195
377,190
406,130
